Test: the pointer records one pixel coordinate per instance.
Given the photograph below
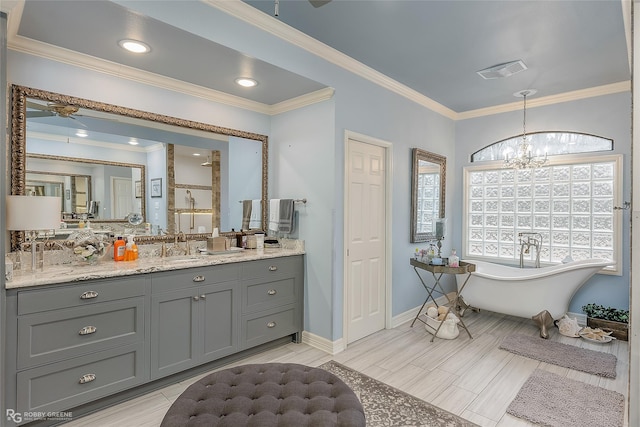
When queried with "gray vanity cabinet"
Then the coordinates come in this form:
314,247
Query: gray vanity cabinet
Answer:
272,292
76,343
194,317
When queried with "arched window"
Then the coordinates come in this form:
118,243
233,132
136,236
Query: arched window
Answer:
551,143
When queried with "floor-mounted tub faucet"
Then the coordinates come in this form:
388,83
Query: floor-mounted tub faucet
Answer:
528,240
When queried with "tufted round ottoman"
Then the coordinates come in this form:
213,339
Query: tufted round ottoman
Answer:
265,395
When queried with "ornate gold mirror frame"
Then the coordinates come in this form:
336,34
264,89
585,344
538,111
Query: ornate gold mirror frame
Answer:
429,177
18,153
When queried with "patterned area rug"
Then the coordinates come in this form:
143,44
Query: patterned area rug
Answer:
386,406
565,355
552,400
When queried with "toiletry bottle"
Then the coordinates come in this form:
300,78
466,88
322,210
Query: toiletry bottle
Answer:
131,249
128,252
259,241
134,249
454,261
118,249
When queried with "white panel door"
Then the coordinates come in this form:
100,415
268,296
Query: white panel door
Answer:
121,197
365,296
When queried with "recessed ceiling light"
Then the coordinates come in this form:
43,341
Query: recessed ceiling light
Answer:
246,82
196,154
133,141
81,133
134,46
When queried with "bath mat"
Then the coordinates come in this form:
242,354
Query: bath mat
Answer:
565,355
386,406
552,400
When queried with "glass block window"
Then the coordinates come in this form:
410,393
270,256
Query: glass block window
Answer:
571,204
428,196
552,143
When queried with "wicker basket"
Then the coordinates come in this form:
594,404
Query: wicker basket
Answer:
619,330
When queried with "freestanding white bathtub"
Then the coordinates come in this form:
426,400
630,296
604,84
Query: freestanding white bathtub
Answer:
527,292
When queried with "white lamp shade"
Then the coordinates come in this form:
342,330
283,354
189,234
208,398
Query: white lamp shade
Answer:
31,213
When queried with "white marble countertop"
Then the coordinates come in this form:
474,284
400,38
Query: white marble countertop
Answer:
109,268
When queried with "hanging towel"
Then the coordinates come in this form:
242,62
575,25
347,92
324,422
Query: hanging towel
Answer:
274,214
246,213
255,220
285,220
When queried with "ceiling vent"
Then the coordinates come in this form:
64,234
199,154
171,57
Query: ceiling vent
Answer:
502,70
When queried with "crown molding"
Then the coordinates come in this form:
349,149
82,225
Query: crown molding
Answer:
302,101
253,16
575,95
55,53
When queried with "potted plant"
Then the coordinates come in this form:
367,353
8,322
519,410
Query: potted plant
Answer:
609,319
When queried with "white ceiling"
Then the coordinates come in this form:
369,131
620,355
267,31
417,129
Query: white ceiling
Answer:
432,47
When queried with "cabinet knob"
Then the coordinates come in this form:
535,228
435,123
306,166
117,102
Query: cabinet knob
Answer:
272,292
273,267
87,378
87,330
196,298
271,325
203,296
89,295
198,279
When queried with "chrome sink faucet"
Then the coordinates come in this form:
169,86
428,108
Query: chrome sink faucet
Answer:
528,240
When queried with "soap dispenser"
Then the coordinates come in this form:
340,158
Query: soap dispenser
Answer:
131,249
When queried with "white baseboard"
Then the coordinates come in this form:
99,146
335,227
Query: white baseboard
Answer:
321,343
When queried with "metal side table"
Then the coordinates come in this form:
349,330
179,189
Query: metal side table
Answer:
437,271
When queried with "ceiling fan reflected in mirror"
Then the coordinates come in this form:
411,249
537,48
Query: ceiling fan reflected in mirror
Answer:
51,109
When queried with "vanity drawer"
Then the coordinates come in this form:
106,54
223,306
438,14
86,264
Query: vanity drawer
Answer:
178,279
84,293
57,335
265,295
72,382
272,268
267,327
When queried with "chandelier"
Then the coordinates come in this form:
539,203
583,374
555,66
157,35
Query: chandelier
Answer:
524,158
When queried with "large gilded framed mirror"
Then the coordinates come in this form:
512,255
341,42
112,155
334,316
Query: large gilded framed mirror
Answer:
100,160
428,194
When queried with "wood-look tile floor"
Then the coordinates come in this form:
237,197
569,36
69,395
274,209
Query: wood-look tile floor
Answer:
472,378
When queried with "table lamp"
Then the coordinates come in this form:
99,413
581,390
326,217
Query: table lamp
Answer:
32,214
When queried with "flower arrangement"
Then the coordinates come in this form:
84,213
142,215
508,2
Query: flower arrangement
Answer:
88,247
